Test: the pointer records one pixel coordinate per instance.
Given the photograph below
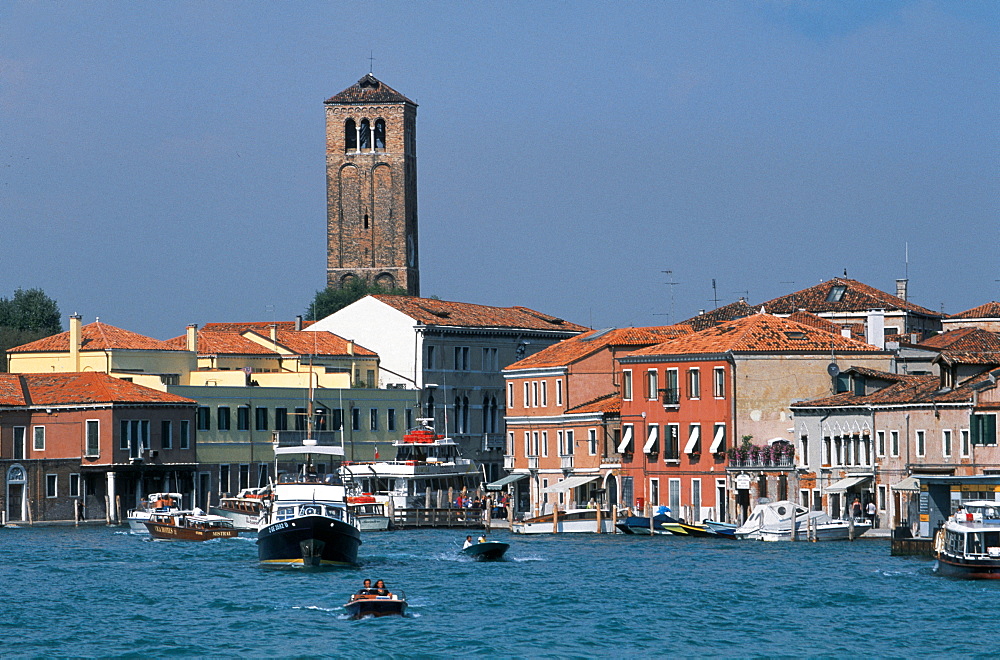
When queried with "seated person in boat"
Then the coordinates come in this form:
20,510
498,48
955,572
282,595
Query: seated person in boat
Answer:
380,589
468,542
367,589
482,539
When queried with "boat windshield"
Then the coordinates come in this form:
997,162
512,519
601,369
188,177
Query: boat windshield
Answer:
331,479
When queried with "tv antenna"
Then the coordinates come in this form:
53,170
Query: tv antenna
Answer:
671,284
715,294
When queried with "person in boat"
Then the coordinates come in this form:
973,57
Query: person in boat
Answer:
482,539
468,542
366,590
380,589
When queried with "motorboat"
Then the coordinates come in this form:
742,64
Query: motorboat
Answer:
569,521
772,521
725,529
155,503
968,545
486,550
662,524
702,530
178,526
305,522
425,461
364,604
369,512
244,509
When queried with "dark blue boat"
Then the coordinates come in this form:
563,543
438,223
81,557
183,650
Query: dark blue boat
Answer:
362,605
486,550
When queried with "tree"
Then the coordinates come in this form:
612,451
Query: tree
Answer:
332,299
28,316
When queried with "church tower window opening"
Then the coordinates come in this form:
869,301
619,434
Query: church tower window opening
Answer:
379,135
364,136
350,135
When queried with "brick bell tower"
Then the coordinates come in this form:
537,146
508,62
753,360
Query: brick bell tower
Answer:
371,187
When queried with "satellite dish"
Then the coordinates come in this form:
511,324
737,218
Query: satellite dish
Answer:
833,369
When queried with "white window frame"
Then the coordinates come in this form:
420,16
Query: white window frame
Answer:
804,449
719,382
947,442
626,384
696,510
965,437
534,443
569,442
527,443
559,441
534,394
54,492
592,442
894,444
86,438
510,395
628,437
545,393
693,439
36,436
694,383
74,484
671,484
559,392
713,449
510,443
652,384
920,442
654,486
527,394
184,434
545,444
668,430
880,443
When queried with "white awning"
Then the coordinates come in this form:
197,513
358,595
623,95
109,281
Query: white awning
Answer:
910,484
571,482
623,446
845,483
654,433
720,437
693,440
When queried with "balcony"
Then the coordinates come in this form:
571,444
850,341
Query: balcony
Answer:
493,441
782,462
671,396
508,462
566,462
532,462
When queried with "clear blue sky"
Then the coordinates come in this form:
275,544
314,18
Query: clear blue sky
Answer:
163,162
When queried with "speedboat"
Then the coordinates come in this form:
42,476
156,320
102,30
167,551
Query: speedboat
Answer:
305,522
244,509
772,521
571,520
662,524
727,530
968,545
486,550
155,503
177,526
363,604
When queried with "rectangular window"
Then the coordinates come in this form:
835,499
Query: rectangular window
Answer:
20,438
559,397
166,434
804,451
592,442
534,394
260,419
693,445
696,499
652,387
50,485
184,439
965,443
627,385
672,392
74,485
881,497
409,418
674,494
894,443
946,442
370,378
390,419
204,418
545,443
719,382
560,439
93,438
222,418
373,419
281,419
430,358
244,476
225,486
569,443
880,442
671,442
921,443
527,394
718,439
262,474
652,444
654,492
694,384
510,443
510,395
39,432
355,419
300,419
144,433
534,443
461,358
545,393
527,444
984,430
243,418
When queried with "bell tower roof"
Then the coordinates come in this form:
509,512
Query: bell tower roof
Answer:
368,90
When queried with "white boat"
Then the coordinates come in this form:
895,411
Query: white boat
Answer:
424,460
244,509
369,513
968,545
569,521
772,521
156,503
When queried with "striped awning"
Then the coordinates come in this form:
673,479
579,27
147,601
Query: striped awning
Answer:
845,484
572,482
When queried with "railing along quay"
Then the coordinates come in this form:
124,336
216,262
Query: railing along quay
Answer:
453,517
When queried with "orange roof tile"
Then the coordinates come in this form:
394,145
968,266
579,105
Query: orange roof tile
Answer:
856,297
318,343
608,403
78,388
576,348
95,336
990,310
963,339
760,333
222,343
908,389
730,312
442,312
260,327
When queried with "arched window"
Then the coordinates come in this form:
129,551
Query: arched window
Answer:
365,138
379,135
350,135
486,414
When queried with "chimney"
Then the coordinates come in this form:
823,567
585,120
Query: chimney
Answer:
350,347
845,331
875,328
274,333
298,323
901,288
75,331
192,338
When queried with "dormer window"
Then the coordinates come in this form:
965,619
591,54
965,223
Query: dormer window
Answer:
836,293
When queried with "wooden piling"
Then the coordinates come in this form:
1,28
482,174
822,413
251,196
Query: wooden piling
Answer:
76,513
614,519
795,532
555,518
107,509
600,526
118,508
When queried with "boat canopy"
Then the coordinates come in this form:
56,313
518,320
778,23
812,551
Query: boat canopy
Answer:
846,483
500,483
571,482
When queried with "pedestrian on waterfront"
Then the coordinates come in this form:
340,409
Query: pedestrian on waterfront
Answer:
872,510
856,511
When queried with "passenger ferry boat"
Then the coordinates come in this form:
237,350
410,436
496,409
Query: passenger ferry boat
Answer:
424,459
968,545
244,509
177,526
156,503
369,512
305,522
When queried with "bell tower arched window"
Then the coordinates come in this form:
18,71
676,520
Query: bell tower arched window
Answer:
364,137
379,135
350,135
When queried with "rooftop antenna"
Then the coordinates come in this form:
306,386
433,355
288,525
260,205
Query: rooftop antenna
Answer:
906,262
671,284
715,294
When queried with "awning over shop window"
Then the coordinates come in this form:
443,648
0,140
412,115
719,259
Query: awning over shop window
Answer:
500,483
693,440
654,434
846,484
720,437
626,443
571,482
910,484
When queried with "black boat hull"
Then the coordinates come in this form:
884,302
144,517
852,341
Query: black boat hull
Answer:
968,569
486,551
308,542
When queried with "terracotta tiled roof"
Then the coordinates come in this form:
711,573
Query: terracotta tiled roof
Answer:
881,375
222,343
78,388
260,327
910,389
369,90
990,310
964,339
730,312
811,319
988,358
608,403
576,348
760,333
442,312
856,297
318,343
95,336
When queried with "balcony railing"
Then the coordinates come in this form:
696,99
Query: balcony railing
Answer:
780,462
671,396
566,462
532,462
508,462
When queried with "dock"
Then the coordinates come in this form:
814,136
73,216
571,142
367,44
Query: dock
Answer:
444,517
